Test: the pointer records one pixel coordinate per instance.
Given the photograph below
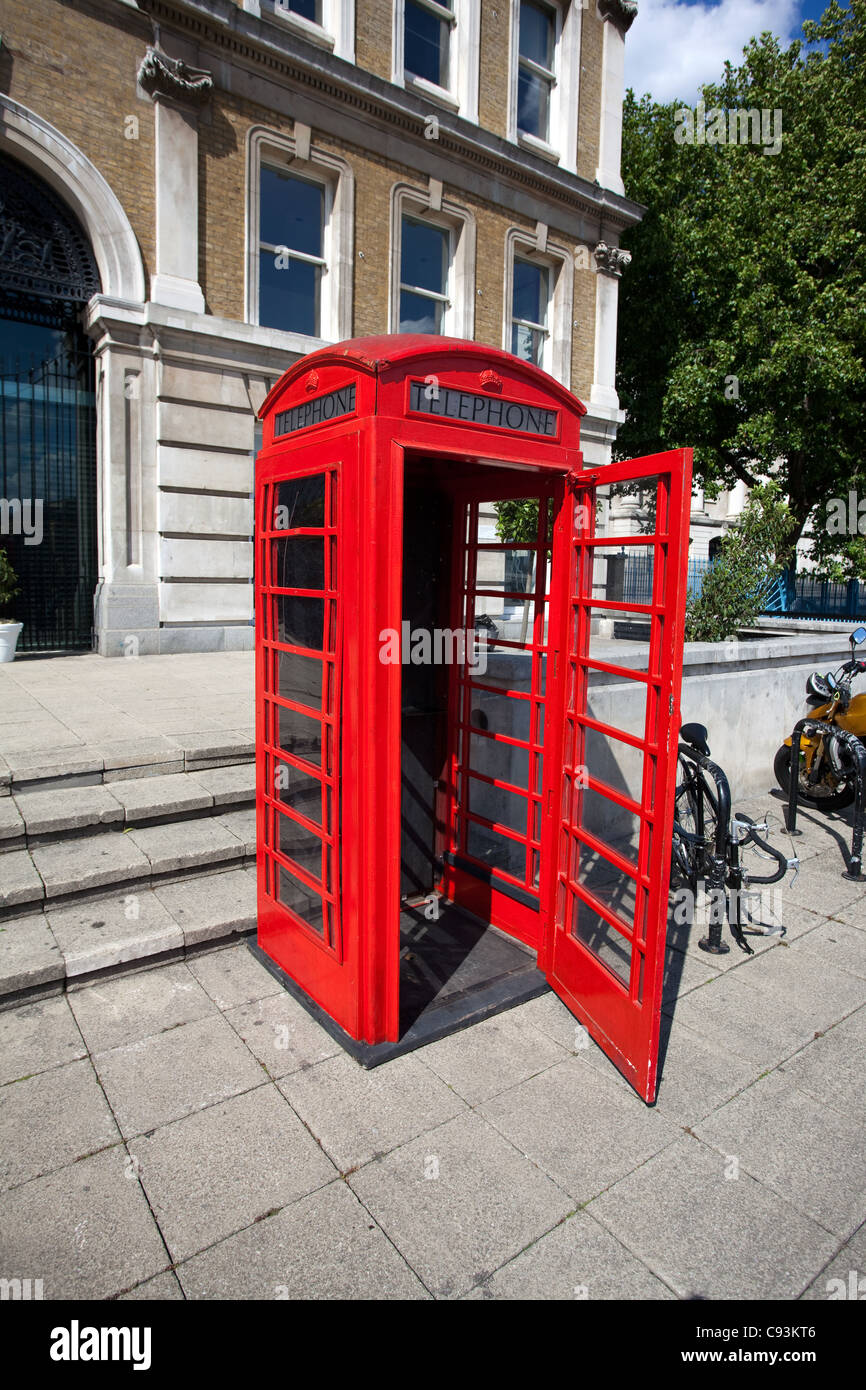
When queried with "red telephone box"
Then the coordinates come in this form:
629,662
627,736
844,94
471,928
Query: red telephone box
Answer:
479,802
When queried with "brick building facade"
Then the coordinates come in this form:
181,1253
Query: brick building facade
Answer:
452,164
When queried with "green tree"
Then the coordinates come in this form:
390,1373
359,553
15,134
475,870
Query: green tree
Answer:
8,585
735,589
743,313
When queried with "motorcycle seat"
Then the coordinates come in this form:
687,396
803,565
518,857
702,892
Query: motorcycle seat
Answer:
696,735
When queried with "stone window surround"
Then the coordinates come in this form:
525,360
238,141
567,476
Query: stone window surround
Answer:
336,175
461,96
559,260
429,205
336,33
565,97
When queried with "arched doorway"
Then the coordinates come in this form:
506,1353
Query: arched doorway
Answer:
48,473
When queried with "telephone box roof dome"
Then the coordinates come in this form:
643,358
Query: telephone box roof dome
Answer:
377,354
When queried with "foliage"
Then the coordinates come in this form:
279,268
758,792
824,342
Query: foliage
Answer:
8,585
517,521
735,588
743,314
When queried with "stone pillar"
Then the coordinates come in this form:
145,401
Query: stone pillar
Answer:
126,604
618,15
177,91
610,262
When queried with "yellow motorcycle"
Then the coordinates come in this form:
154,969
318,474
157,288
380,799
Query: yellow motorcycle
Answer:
829,761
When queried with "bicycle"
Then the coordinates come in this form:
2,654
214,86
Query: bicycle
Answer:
708,844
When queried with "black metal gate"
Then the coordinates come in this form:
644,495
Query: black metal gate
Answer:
47,414
48,497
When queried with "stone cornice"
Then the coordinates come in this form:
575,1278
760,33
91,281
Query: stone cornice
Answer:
231,35
623,13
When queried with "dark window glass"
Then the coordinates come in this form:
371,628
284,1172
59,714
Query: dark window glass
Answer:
533,104
426,41
299,678
292,212
529,298
420,315
424,256
299,844
495,804
299,622
300,735
294,788
536,33
299,502
301,900
289,295
495,850
298,562
307,9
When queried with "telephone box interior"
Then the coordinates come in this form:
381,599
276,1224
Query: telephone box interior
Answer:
447,824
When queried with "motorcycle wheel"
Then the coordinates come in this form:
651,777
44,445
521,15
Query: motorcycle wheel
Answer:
822,796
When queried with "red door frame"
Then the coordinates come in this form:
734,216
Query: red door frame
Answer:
623,1020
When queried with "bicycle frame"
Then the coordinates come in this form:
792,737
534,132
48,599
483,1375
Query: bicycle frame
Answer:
820,729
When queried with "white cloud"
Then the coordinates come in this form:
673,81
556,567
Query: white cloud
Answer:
672,48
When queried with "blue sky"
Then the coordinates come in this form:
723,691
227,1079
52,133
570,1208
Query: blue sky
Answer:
676,45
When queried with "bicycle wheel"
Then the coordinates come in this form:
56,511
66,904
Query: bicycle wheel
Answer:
696,815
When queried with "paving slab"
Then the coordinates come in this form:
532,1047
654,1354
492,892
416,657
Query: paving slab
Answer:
733,1015
162,1288
51,1120
241,823
602,1130
710,1237
491,1057
85,1230
459,1202
11,824
233,976
29,955
205,841
578,1259
214,905
54,811
35,1037
109,931
131,1007
213,1173
820,992
844,1277
51,764
91,861
281,1034
811,1154
357,1114
145,797
838,945
831,1067
168,1075
323,1247
853,913
229,784
696,1075
19,882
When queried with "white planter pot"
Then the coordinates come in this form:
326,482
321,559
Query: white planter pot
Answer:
9,634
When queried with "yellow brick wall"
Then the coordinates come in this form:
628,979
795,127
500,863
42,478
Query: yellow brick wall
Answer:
493,77
589,113
373,32
76,67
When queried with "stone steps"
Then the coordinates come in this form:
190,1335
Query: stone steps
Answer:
97,877
61,768
105,932
33,817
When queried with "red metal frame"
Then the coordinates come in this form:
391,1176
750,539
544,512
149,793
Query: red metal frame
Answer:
351,967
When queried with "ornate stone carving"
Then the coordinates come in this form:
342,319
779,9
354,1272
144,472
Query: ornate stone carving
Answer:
610,260
622,12
162,76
